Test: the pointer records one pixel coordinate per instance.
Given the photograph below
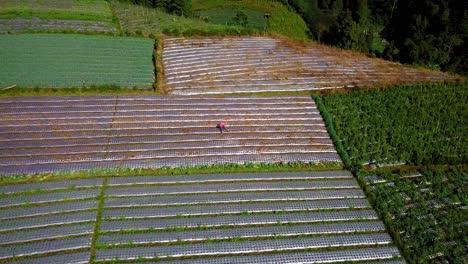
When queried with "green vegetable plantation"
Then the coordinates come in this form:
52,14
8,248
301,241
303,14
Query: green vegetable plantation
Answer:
418,125
57,61
426,212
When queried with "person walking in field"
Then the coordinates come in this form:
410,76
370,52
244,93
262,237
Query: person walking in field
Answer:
222,126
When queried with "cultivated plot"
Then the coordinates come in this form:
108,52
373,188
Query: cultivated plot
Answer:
52,221
58,61
73,133
17,25
232,218
303,226
259,64
53,15
427,212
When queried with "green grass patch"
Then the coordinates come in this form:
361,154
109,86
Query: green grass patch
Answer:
142,21
206,169
97,224
76,91
331,130
415,125
284,20
58,61
97,10
226,16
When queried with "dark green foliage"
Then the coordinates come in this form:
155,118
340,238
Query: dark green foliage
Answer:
431,33
424,214
346,24
331,130
420,125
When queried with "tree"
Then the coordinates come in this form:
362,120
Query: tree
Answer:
424,32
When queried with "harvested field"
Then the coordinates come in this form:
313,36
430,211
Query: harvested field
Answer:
261,64
61,61
39,135
300,227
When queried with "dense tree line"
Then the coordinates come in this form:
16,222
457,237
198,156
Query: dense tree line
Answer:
432,33
179,7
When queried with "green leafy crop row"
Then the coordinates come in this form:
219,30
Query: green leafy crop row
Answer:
58,61
426,214
417,125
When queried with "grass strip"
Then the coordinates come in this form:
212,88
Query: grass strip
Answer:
331,130
204,227
165,171
158,65
97,224
73,91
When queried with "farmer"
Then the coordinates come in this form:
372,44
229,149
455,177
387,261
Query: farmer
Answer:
222,126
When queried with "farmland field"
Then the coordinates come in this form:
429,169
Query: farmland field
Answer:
40,135
427,212
266,64
321,217
418,125
97,10
58,61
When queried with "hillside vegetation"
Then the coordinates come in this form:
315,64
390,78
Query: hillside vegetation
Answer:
283,20
420,125
432,33
142,20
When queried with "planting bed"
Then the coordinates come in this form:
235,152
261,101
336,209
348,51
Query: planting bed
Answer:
144,218
259,64
48,218
93,10
40,135
204,232
58,61
17,25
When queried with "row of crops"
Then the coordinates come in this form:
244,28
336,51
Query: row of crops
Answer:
264,64
52,15
426,212
40,135
422,126
57,61
417,125
314,217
